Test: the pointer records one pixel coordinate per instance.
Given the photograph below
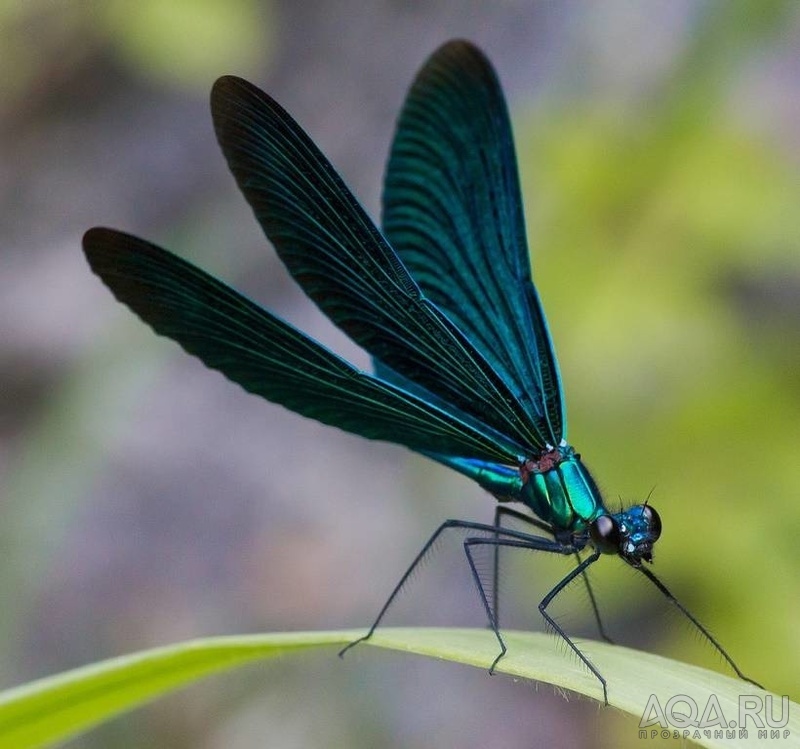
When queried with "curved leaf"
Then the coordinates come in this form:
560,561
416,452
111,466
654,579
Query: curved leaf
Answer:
58,707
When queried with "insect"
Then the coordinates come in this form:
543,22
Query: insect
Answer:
442,299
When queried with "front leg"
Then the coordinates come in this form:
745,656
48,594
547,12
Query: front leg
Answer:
545,602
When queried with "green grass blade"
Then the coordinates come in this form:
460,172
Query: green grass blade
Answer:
55,708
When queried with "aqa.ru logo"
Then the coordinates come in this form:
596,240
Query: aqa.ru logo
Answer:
681,718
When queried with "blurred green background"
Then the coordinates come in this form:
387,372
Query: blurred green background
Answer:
146,500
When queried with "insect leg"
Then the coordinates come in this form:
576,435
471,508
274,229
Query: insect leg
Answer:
501,511
447,525
534,543
593,601
545,602
671,598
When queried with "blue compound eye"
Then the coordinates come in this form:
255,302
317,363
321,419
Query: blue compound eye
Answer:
605,535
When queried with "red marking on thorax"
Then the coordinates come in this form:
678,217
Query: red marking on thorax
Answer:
544,463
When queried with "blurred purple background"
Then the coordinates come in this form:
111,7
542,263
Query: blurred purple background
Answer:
146,500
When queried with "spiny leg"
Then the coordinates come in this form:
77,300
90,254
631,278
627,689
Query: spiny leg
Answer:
448,524
533,543
500,512
545,602
671,598
593,601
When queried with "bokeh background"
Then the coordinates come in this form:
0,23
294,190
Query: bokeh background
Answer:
146,500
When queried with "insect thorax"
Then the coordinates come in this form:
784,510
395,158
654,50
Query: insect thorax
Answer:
560,490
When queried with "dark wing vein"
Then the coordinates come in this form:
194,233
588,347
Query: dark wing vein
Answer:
452,210
268,357
344,264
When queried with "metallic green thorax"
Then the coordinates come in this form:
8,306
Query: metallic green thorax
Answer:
560,490
556,486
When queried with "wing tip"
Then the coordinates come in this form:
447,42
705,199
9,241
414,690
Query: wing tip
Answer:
98,242
94,236
105,248
231,96
462,53
226,85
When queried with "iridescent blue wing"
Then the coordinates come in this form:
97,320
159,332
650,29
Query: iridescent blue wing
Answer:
452,211
344,264
269,357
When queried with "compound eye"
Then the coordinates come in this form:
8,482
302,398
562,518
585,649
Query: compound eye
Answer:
604,533
653,522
